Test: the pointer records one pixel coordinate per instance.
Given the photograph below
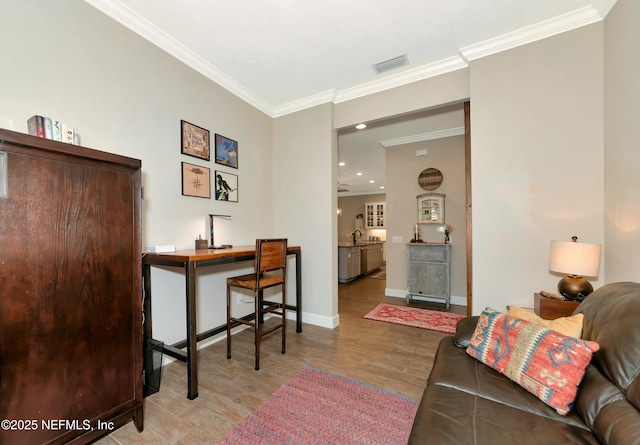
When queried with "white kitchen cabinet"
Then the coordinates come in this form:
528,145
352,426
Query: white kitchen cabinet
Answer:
371,258
374,215
348,263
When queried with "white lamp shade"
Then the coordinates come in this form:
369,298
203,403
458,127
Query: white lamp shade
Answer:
575,258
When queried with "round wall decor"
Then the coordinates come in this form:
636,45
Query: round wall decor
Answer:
430,179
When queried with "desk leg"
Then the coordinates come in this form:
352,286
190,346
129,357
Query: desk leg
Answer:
146,304
192,345
298,292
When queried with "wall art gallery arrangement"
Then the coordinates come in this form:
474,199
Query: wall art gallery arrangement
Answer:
196,179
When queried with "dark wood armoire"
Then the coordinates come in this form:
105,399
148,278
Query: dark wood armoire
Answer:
70,291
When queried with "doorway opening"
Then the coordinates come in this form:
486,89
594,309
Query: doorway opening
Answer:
389,155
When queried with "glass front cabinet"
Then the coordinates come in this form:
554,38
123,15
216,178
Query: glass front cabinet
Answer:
374,213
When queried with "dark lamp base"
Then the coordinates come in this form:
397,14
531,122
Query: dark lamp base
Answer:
574,287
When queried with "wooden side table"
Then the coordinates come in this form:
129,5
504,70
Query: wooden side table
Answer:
550,309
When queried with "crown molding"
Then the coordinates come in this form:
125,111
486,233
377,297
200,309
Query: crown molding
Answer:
374,192
403,78
603,7
566,22
432,135
557,25
304,103
376,86
134,22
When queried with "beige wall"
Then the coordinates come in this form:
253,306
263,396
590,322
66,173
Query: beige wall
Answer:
622,142
445,89
304,205
536,158
537,114
402,170
125,96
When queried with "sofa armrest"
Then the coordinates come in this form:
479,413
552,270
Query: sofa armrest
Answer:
464,330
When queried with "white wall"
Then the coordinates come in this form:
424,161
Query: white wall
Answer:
622,142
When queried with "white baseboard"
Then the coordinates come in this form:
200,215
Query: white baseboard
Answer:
320,320
402,293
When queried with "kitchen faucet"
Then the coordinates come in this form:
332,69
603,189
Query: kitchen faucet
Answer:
355,234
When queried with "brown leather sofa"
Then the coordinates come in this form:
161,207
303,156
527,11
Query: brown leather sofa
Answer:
467,402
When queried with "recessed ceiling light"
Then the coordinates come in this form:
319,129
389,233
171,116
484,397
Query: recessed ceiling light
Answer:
371,181
361,126
341,164
382,187
359,174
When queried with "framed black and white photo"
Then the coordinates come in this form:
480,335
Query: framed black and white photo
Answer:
226,186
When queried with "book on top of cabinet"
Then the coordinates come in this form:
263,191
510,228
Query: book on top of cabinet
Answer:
48,128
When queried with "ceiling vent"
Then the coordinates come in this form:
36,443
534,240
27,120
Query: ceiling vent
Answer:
342,188
390,64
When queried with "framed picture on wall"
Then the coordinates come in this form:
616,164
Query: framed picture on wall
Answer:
226,151
226,186
196,181
195,141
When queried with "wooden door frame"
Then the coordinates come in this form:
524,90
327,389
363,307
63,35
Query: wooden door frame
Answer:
468,203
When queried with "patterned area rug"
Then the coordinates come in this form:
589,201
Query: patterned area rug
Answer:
317,407
414,317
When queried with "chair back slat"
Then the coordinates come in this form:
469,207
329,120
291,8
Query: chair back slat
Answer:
271,254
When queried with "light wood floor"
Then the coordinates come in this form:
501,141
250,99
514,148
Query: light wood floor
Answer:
393,357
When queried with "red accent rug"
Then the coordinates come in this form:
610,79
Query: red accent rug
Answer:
415,317
317,407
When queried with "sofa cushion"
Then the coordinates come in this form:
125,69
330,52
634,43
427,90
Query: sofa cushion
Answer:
569,326
455,369
611,319
542,361
447,416
464,330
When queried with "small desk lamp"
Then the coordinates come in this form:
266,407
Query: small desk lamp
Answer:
211,242
577,260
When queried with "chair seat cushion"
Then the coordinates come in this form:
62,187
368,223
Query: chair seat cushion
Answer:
248,281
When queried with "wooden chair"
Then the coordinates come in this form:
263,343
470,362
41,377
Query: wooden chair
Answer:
270,269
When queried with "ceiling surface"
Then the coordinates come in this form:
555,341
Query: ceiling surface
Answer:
363,151
285,55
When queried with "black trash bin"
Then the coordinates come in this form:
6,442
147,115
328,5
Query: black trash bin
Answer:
152,366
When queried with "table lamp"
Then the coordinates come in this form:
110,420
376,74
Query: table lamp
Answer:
577,260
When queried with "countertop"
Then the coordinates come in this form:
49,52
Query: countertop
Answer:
360,243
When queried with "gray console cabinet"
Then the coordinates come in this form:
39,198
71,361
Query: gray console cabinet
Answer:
429,271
